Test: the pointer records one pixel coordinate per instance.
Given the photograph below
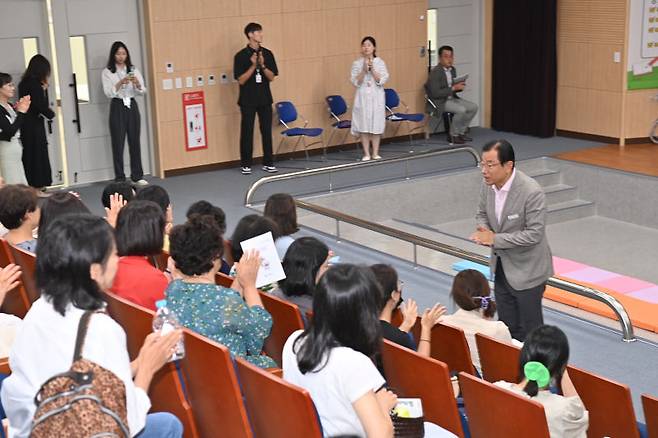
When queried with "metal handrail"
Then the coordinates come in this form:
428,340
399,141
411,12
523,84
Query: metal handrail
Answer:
416,241
339,167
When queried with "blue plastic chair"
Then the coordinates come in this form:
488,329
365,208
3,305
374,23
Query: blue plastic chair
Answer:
393,102
338,107
287,115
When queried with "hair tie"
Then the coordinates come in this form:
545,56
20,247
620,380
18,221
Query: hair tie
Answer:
537,372
484,301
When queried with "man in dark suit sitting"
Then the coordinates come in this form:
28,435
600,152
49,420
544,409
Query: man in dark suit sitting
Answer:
442,90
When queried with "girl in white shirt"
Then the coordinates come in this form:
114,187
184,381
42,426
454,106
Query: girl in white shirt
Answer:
122,82
543,361
76,260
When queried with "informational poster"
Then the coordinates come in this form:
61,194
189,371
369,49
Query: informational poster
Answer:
642,68
194,115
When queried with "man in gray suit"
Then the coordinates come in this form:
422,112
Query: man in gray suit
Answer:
511,219
443,93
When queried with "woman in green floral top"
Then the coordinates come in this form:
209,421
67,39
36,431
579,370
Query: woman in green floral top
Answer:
233,317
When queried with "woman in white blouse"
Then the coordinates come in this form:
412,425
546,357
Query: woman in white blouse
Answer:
76,260
369,74
477,309
543,361
122,82
11,119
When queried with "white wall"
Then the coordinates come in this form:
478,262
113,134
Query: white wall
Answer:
459,24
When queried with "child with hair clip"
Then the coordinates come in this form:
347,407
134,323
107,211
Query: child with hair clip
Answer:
543,365
477,309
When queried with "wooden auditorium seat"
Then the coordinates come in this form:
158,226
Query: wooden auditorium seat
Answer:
609,404
277,409
28,263
166,390
449,345
499,361
650,406
4,366
286,319
213,389
495,412
16,301
223,280
411,375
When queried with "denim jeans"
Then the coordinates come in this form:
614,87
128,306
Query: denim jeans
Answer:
161,425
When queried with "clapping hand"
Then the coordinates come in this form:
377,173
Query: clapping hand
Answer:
483,236
432,317
23,104
410,312
8,279
116,204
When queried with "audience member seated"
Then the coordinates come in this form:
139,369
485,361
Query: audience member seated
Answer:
57,205
390,298
19,213
543,362
304,263
160,196
280,207
139,234
233,317
123,188
477,308
250,226
76,260
332,358
205,208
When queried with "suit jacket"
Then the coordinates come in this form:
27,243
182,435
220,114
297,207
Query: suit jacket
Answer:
520,239
437,88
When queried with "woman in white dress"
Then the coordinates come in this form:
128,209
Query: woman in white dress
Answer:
369,74
11,151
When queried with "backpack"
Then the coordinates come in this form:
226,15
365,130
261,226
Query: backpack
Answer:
85,401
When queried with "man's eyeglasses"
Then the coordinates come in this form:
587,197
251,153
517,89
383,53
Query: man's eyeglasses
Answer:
488,164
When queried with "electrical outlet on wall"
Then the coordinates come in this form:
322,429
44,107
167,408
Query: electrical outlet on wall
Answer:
224,78
616,57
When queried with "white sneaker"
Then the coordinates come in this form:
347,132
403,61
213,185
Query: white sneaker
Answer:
246,170
366,158
270,169
377,157
141,182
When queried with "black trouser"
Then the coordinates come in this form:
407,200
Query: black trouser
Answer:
124,121
520,310
247,133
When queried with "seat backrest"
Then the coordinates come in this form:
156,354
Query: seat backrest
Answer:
411,375
650,407
286,320
495,412
213,389
28,263
609,404
397,318
449,345
499,361
392,98
337,105
286,111
16,301
223,280
166,390
277,409
160,261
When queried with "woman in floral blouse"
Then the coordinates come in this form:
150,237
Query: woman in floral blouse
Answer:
233,317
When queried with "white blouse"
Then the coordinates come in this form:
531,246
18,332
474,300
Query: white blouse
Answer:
44,347
127,91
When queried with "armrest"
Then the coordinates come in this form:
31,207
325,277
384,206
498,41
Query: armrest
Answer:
4,366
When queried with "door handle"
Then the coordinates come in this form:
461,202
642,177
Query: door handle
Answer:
50,126
77,106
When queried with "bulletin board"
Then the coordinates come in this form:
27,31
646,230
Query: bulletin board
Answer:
194,116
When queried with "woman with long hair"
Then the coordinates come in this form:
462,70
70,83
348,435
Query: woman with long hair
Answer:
122,82
36,161
368,75
11,119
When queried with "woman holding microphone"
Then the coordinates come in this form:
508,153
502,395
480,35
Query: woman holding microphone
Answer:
369,74
122,82
11,120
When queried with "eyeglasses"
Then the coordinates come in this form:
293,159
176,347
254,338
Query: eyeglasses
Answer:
488,165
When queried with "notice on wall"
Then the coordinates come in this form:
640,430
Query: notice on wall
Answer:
642,68
194,115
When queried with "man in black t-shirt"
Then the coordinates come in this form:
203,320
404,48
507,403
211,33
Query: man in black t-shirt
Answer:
254,68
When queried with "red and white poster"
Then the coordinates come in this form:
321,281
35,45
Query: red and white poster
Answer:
194,114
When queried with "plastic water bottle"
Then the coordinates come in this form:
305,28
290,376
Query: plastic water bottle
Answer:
164,322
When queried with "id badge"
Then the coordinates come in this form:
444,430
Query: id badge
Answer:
259,78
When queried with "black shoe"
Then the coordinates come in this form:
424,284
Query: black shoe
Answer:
466,137
456,139
246,170
120,179
270,169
